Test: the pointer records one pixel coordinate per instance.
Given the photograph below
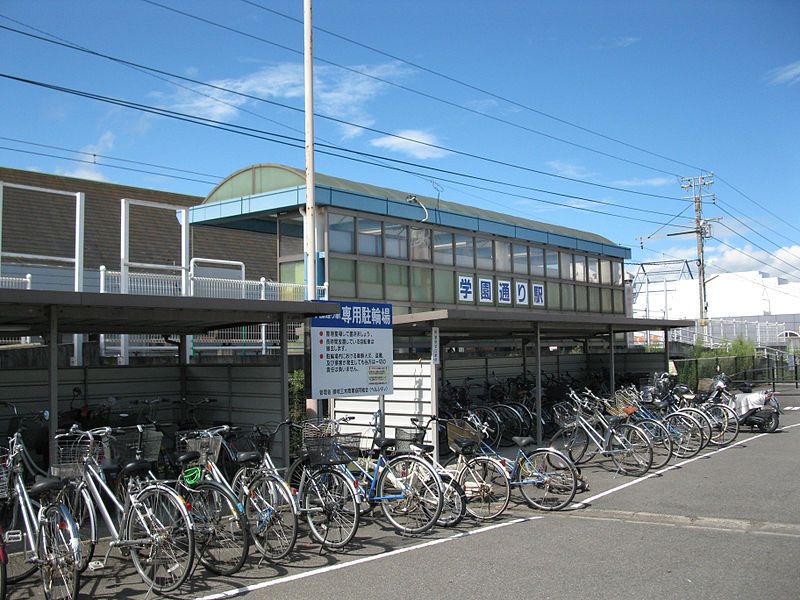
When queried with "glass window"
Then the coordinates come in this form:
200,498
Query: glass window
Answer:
293,272
537,261
605,300
370,237
567,296
483,254
396,282
395,238
342,275
502,256
580,268
520,259
605,272
581,299
444,287
421,244
370,280
291,236
421,285
442,248
619,301
594,299
567,271
465,251
593,271
341,233
552,296
551,263
616,273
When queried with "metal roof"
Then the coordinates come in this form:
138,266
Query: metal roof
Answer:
27,312
480,324
272,188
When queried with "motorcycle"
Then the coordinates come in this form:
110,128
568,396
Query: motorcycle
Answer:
757,409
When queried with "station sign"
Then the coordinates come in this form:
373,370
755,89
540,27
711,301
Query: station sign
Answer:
352,351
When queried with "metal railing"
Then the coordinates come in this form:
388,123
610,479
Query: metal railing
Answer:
721,332
17,283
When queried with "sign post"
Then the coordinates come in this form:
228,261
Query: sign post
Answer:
352,351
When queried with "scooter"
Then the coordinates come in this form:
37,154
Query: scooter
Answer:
757,409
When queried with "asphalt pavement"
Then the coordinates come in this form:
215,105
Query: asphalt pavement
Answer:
724,525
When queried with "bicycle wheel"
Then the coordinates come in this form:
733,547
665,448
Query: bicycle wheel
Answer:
630,450
486,486
661,440
331,507
220,527
3,573
18,546
161,527
548,479
494,425
526,414
686,433
705,423
726,425
410,494
572,441
81,507
513,424
59,552
454,502
271,515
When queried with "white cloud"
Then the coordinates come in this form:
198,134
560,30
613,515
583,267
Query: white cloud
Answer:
624,41
788,74
411,146
646,182
340,94
568,169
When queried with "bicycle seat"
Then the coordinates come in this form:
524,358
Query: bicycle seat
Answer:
614,421
136,467
248,457
188,457
522,442
426,448
51,484
383,443
465,446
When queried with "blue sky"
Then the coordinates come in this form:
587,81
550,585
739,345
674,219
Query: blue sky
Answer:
713,85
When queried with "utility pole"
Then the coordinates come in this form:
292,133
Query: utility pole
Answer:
702,229
310,225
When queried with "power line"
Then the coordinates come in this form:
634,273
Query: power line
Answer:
752,243
90,162
735,218
108,157
780,218
750,256
767,227
299,143
146,68
410,90
474,87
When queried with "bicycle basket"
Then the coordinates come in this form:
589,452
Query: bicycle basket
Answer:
314,428
405,436
460,431
72,451
564,414
207,446
125,444
333,449
5,472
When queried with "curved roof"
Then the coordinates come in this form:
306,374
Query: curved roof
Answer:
268,177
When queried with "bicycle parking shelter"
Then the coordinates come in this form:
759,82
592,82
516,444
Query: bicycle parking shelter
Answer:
464,325
51,313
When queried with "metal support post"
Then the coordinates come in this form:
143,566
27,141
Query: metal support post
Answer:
284,365
539,432
124,258
53,383
1,227
77,338
612,366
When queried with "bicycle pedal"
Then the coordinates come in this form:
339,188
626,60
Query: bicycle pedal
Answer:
96,565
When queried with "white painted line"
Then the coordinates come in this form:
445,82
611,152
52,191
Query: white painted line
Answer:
583,503
269,583
790,408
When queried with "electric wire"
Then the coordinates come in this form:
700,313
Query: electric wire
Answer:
735,218
164,75
298,143
410,90
120,167
751,257
764,250
473,87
